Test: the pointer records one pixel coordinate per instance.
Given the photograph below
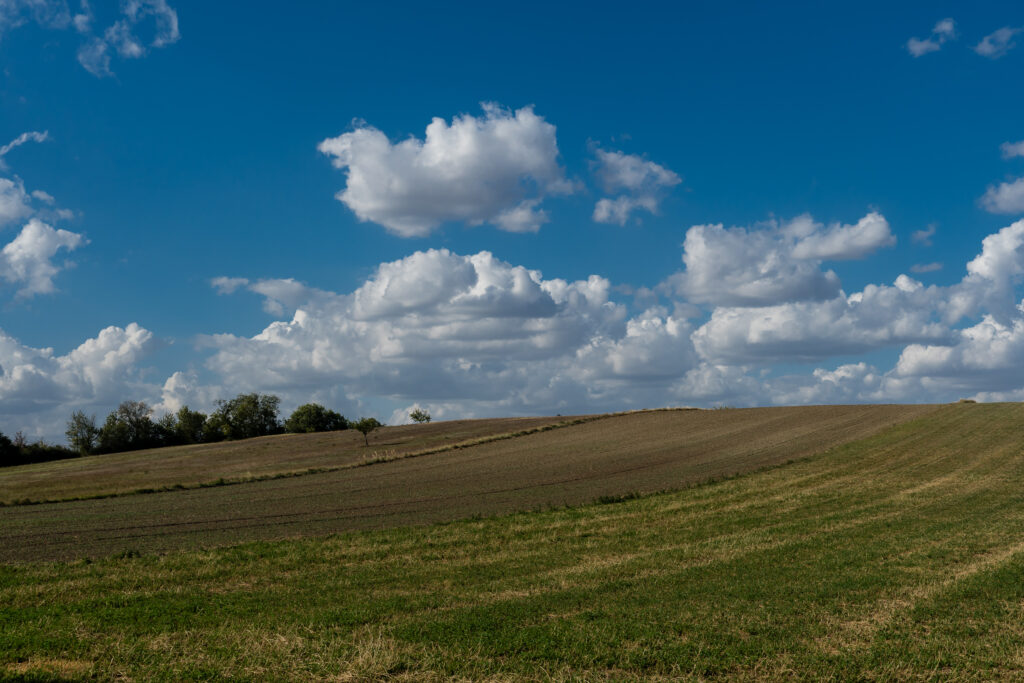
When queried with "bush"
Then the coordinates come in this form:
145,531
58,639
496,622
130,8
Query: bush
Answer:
19,452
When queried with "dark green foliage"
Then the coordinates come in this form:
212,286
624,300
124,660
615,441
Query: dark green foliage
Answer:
313,417
166,429
8,452
419,416
82,432
20,452
128,428
40,451
215,429
365,426
246,416
190,426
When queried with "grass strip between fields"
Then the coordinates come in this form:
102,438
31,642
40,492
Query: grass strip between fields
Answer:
374,458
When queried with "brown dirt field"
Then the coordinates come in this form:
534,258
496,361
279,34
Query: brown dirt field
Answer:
637,452
234,460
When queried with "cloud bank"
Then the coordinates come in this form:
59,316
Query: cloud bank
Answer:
474,335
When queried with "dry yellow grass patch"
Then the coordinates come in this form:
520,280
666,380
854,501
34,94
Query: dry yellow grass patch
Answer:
50,666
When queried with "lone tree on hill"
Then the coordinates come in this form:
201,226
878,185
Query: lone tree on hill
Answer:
367,425
420,416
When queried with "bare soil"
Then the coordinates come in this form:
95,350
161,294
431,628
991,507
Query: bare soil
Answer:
267,456
614,456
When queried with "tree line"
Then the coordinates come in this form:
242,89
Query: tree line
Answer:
131,427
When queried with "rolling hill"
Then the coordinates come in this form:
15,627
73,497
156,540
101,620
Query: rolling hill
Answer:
895,551
584,459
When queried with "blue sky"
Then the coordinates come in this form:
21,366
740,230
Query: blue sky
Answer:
193,153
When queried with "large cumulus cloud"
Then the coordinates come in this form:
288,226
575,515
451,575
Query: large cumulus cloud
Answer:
494,168
464,330
38,388
774,262
27,261
876,317
472,335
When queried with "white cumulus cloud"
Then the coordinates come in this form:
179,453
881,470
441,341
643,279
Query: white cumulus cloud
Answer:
985,357
839,242
877,317
773,262
15,203
494,168
442,327
39,389
27,261
991,279
643,183
1006,197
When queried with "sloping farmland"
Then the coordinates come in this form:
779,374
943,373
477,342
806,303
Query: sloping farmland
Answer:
614,456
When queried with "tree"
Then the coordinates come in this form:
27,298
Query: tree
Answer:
420,416
367,425
247,415
190,426
128,428
313,417
166,430
82,432
9,453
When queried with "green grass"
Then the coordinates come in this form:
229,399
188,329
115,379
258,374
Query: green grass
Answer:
896,557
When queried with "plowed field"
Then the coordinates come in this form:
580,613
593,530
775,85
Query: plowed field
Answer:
613,456
118,473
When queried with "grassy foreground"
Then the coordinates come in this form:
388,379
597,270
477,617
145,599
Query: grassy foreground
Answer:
900,556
